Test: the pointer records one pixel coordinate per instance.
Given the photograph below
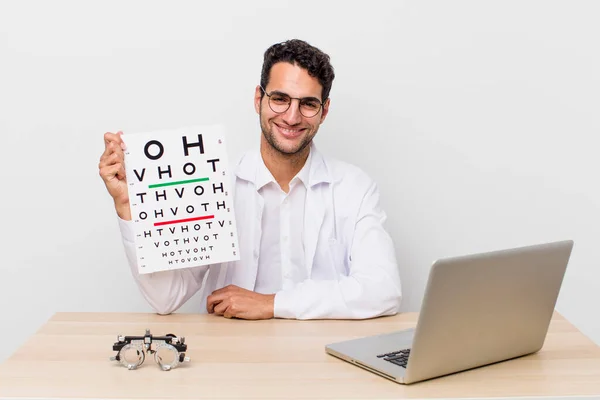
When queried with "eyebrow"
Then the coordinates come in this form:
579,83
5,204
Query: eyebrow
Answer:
310,98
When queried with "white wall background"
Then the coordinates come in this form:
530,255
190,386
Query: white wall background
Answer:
478,119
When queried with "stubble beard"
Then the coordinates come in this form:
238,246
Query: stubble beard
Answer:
270,138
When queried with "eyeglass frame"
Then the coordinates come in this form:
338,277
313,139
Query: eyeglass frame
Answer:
321,103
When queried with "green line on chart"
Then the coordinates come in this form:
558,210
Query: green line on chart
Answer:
177,183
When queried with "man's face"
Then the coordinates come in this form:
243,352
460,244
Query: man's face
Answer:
289,132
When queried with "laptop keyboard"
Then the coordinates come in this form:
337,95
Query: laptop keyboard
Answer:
399,357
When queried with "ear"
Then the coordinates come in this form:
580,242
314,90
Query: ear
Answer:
325,109
257,98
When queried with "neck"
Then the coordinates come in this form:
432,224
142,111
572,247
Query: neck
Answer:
283,167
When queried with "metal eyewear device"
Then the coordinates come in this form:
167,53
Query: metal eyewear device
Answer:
169,350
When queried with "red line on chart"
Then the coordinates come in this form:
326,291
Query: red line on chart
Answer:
178,221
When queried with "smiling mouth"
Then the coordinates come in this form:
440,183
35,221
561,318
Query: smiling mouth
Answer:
289,132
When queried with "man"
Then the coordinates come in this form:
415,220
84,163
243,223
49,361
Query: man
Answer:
310,229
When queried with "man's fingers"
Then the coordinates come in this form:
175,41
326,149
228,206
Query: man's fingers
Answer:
116,138
221,307
110,137
107,151
219,295
219,291
109,172
111,159
226,289
210,305
117,149
213,300
228,313
114,147
121,174
221,301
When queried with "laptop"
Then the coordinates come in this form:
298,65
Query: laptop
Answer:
477,310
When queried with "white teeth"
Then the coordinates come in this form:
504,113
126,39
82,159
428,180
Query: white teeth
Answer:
291,131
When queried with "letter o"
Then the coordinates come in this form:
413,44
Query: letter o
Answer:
185,168
161,149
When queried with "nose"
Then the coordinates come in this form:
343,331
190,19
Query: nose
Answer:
292,116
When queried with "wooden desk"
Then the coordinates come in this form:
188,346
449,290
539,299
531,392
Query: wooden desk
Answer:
69,357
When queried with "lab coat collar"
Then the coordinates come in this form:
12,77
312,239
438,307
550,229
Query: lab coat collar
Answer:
248,170
264,176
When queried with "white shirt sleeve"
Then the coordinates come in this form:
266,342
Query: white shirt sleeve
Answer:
372,287
165,291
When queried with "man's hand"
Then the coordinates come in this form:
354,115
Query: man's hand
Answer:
233,301
112,171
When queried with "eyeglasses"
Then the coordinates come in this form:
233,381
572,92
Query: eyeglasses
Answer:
169,350
280,103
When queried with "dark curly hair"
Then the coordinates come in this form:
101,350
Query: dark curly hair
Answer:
299,52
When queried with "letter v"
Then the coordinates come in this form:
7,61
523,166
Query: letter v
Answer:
140,177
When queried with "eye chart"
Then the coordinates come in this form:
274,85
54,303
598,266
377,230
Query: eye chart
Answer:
180,197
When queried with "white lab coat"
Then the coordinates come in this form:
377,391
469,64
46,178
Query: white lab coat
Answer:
350,259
